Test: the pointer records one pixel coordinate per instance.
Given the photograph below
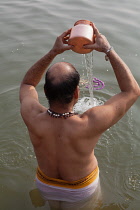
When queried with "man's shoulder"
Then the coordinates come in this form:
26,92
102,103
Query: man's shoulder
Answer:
93,112
30,111
96,118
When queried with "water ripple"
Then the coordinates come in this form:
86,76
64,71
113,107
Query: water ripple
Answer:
15,155
16,150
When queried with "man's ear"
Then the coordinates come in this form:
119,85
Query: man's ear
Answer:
76,92
44,90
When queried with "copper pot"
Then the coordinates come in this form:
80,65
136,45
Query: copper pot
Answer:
81,34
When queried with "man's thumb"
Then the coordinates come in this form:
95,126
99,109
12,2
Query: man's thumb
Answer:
89,46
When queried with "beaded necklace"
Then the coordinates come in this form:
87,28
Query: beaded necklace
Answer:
60,115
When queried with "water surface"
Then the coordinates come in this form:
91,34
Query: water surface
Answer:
28,31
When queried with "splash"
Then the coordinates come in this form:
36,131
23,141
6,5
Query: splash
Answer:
85,103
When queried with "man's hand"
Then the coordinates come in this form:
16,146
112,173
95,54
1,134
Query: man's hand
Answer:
100,42
61,43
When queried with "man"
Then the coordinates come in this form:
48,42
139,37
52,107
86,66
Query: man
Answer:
63,141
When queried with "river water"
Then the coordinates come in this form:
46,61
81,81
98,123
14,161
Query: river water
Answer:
28,30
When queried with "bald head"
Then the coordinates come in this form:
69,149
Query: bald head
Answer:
60,82
59,71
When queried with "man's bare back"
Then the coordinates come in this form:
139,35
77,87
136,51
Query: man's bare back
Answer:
64,147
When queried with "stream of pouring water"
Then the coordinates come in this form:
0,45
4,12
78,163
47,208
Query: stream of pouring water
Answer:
85,103
89,70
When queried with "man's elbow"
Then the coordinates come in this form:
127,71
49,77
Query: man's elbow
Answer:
136,93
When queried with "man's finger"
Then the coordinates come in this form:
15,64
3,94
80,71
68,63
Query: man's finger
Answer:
96,31
65,42
90,46
66,37
68,47
66,33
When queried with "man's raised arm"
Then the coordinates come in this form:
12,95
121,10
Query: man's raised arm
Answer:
35,73
116,106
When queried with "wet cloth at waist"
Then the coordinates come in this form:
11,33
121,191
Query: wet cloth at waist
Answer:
57,189
68,184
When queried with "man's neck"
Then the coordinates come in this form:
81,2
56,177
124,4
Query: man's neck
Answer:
62,108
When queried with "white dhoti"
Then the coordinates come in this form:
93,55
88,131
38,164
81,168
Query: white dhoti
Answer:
69,191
